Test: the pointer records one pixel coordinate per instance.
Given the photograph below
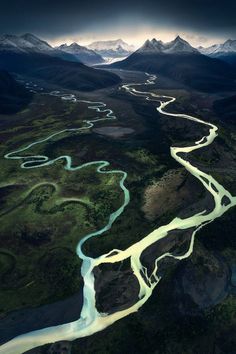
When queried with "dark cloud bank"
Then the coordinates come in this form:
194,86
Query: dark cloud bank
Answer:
56,18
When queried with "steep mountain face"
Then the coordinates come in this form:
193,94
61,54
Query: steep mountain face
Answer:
13,96
28,43
178,45
227,47
225,51
209,50
82,54
182,63
37,43
116,48
152,46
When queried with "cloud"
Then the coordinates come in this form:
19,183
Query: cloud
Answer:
53,19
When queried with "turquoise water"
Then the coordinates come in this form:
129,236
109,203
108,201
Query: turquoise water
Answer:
91,321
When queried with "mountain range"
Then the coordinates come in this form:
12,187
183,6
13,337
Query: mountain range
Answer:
225,51
82,54
206,69
30,56
178,45
179,61
93,54
112,49
28,44
228,46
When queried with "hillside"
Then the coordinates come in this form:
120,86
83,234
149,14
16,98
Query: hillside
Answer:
67,74
13,96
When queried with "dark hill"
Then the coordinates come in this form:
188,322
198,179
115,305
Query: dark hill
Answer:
226,109
67,74
13,96
194,70
229,58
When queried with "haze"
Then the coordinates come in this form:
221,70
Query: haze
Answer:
199,22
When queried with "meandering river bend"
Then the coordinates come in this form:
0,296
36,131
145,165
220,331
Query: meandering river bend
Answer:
91,321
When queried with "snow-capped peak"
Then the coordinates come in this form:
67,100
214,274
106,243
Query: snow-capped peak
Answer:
24,43
75,48
228,46
83,54
178,45
111,45
152,46
36,42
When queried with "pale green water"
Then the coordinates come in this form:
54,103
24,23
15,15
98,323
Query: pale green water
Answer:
91,321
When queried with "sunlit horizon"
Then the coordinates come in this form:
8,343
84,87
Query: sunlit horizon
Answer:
138,37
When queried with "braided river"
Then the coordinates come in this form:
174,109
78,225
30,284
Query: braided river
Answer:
91,320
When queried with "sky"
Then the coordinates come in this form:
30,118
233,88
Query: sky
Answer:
201,22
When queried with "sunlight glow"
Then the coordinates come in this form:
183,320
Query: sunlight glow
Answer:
137,36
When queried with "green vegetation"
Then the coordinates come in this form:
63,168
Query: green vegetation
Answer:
53,208
46,211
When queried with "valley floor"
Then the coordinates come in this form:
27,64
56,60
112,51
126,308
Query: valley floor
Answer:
193,308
